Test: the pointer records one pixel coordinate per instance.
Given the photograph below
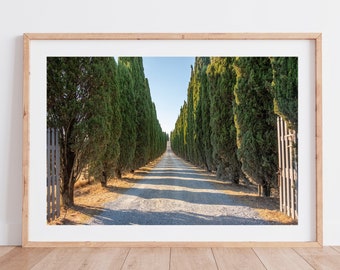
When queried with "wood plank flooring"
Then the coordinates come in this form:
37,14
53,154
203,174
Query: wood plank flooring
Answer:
18,258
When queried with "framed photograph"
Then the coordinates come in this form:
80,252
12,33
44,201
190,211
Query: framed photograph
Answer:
172,139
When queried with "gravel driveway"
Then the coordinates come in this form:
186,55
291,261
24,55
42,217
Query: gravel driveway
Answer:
176,193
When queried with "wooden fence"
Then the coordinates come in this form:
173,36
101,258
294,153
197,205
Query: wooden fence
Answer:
288,176
53,175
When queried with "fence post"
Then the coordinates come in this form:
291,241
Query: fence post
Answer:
53,174
287,169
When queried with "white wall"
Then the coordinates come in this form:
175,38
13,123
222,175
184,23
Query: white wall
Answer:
20,16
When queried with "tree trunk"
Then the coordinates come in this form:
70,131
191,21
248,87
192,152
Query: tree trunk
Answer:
103,180
67,193
69,179
266,189
259,190
119,173
67,190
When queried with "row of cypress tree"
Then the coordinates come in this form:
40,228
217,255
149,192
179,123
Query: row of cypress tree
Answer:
228,122
106,118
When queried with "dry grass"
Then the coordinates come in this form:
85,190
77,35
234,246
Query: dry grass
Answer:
89,197
266,207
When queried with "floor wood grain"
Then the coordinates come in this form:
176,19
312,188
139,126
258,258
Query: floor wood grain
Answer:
17,258
192,258
237,258
66,258
337,249
281,259
147,258
23,258
4,250
105,258
320,258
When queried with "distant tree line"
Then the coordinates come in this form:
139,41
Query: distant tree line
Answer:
228,122
106,118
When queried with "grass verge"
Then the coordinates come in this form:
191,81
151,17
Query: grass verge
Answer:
89,198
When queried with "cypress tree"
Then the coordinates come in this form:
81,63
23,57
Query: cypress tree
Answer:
255,120
190,130
179,135
77,106
202,114
106,129
147,126
222,80
127,140
285,89
150,121
135,65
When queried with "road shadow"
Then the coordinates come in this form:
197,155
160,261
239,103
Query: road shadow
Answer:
164,189
173,181
136,217
182,182
198,197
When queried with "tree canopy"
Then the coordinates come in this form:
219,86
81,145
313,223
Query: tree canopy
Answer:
105,115
228,122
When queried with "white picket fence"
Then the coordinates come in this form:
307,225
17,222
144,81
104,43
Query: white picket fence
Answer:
53,174
288,175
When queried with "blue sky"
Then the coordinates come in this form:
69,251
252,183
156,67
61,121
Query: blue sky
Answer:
168,80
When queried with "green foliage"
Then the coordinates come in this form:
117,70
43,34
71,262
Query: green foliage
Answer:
285,88
135,65
190,137
105,115
127,140
255,120
190,130
106,131
228,123
202,120
222,79
79,104
178,136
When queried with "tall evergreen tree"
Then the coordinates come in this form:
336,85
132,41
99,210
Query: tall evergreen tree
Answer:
202,114
73,99
178,136
150,120
190,131
103,77
147,125
127,140
222,79
285,88
255,120
135,65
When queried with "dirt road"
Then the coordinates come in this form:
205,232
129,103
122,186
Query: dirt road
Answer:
176,193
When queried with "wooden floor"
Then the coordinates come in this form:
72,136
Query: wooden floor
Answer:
169,258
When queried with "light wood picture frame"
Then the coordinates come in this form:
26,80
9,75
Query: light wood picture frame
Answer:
35,46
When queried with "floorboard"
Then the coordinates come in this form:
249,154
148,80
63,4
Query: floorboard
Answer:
192,258
147,258
321,258
23,258
83,258
4,250
337,249
169,258
64,258
237,258
281,259
105,258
